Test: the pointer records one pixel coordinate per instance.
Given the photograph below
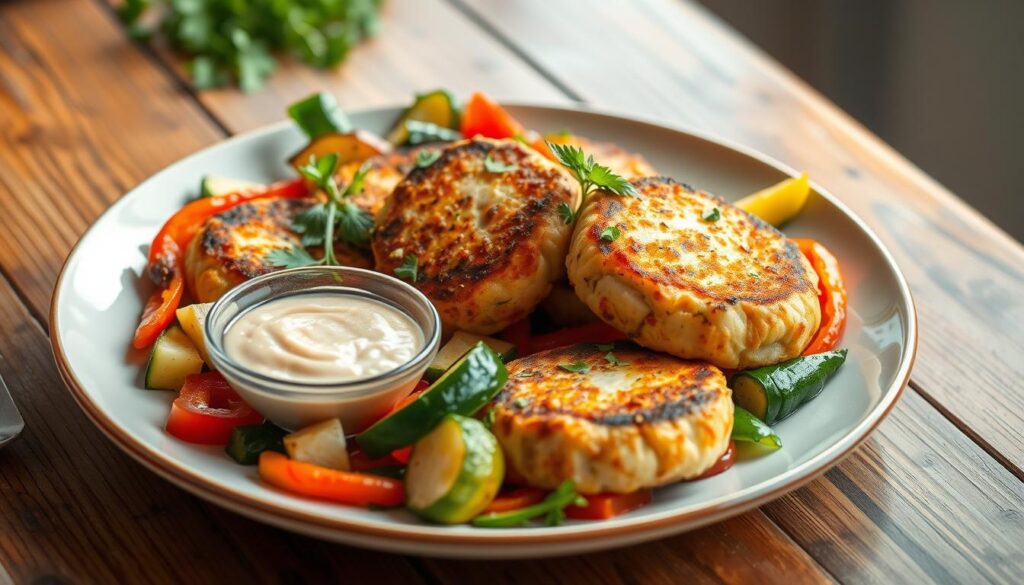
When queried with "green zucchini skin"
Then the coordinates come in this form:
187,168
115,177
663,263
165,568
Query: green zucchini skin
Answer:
748,428
466,387
247,442
436,108
319,114
789,385
481,473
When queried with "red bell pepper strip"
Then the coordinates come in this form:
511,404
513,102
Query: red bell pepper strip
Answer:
518,334
604,506
514,499
159,311
207,409
723,464
597,332
345,487
165,265
482,116
831,294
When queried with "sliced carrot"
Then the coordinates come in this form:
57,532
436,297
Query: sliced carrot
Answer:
344,487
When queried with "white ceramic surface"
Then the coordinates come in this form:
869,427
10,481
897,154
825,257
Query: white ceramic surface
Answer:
99,297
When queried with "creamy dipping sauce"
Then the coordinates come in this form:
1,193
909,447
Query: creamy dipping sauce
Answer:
323,338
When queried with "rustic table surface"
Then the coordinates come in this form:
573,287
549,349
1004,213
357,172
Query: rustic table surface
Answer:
936,494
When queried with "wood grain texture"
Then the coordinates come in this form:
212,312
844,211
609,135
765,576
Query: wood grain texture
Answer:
74,508
743,549
919,500
85,117
673,61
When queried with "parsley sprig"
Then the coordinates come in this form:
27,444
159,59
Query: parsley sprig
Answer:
590,175
318,223
237,40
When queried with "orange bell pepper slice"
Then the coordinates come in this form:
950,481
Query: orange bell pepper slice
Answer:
482,116
343,487
831,294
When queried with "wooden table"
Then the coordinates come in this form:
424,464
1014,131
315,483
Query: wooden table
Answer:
936,494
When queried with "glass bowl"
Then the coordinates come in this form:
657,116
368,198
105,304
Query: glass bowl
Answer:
294,404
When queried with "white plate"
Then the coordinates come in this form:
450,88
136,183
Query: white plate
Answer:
99,297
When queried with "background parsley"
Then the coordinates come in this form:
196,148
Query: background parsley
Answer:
230,40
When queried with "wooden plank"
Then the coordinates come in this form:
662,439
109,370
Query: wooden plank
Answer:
919,500
75,509
86,116
423,44
672,61
743,549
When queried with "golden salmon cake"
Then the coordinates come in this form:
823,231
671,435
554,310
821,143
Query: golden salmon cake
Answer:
693,276
233,246
611,418
481,225
384,173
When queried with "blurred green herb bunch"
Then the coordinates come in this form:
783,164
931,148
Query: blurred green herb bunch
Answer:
236,40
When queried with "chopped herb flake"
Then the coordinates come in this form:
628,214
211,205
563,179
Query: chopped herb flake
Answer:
610,233
713,214
579,367
493,166
566,212
408,269
425,158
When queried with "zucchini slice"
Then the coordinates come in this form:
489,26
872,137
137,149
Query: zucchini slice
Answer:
173,357
246,442
321,444
212,186
463,389
436,107
353,147
193,321
749,429
454,472
774,392
458,345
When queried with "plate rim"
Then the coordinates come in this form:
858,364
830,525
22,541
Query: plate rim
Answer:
238,500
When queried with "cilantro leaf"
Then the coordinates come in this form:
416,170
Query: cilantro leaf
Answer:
311,224
421,132
605,179
566,212
408,269
713,214
611,359
291,258
425,158
590,175
579,367
493,166
610,233
354,224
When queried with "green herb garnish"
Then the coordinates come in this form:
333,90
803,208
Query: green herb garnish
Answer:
425,158
610,233
408,269
713,214
611,359
527,374
493,166
552,508
579,367
566,212
229,39
590,175
318,223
